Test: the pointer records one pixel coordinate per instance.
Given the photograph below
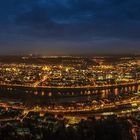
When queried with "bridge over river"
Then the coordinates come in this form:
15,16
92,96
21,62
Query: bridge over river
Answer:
66,94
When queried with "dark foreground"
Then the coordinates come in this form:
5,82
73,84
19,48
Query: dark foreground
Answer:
49,127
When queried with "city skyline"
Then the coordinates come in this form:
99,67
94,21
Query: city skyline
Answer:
54,27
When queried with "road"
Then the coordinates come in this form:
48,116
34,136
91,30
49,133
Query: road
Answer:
36,85
100,109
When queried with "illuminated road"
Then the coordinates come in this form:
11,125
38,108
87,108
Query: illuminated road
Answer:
84,111
35,85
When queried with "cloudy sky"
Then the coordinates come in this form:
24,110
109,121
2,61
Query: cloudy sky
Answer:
69,26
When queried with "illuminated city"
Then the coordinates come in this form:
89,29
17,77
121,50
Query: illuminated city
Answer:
71,88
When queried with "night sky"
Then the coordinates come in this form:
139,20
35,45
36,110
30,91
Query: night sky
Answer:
69,26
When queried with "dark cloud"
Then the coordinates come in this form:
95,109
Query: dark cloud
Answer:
93,17
71,20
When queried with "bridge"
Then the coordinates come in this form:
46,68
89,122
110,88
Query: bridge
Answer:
68,93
